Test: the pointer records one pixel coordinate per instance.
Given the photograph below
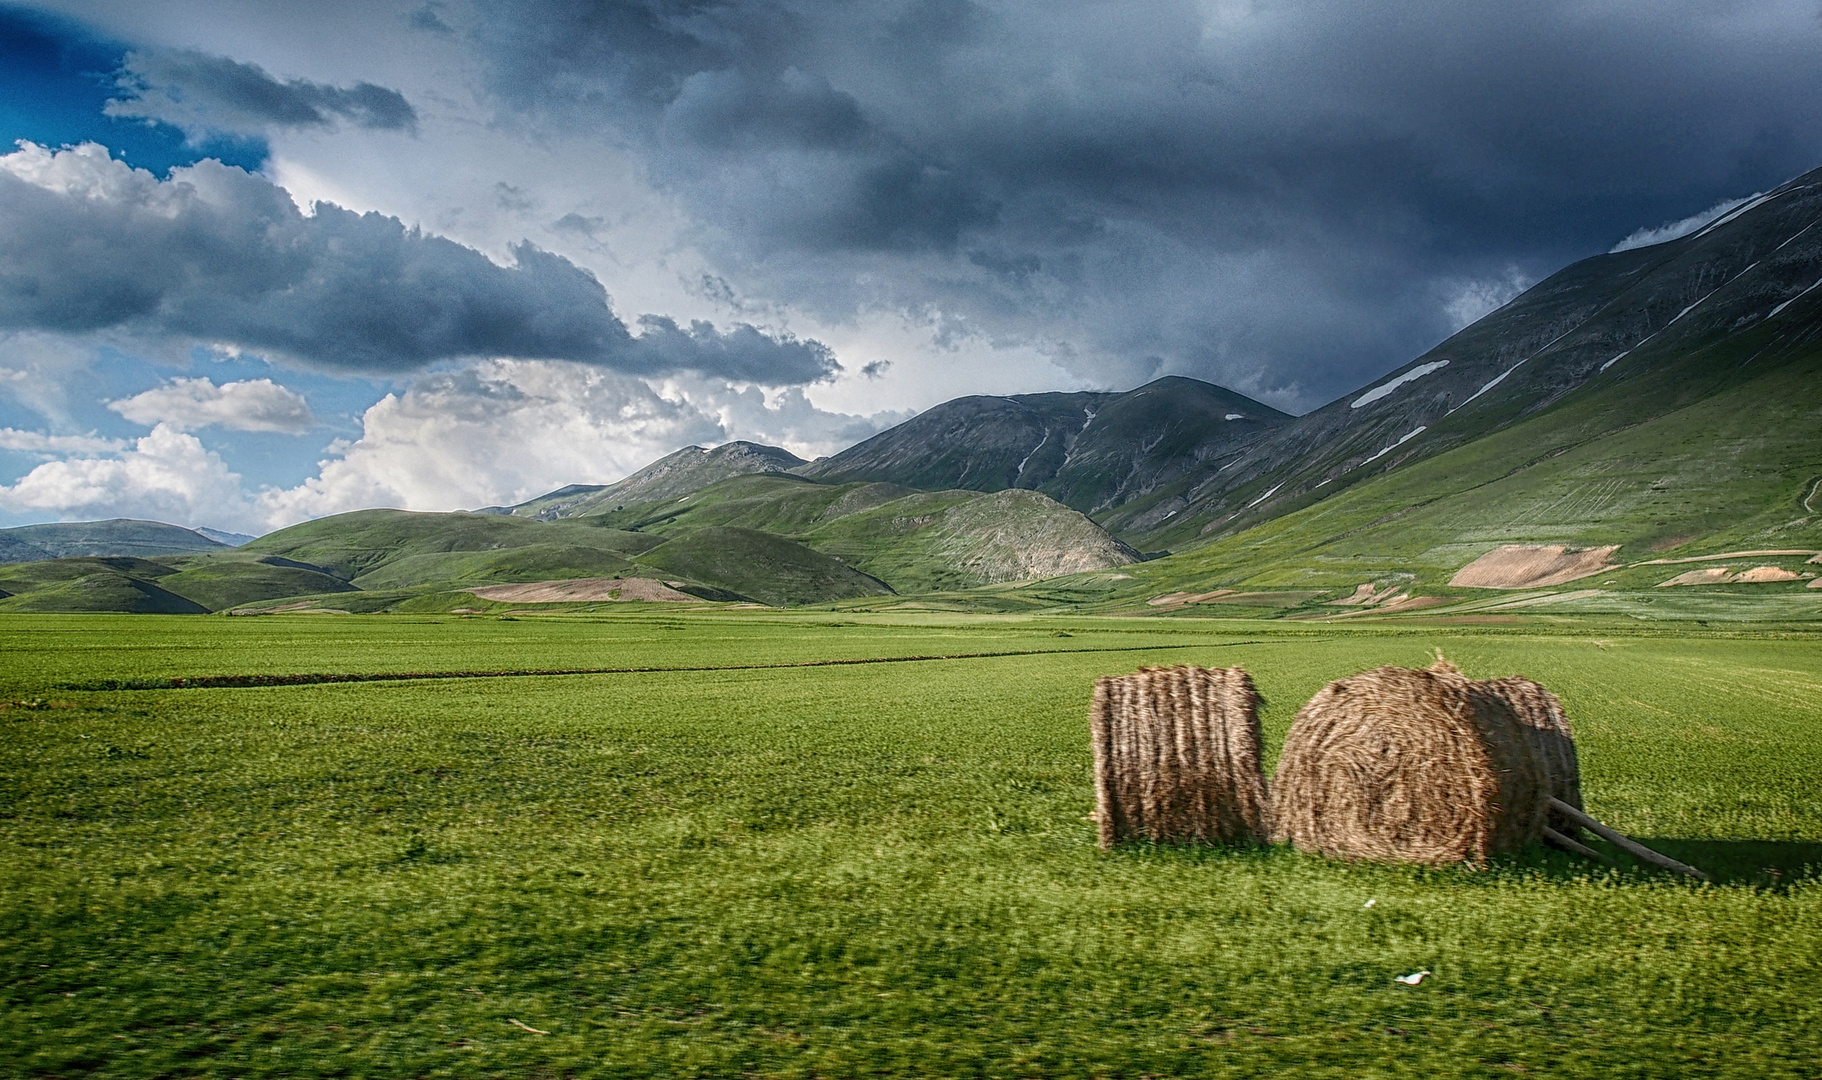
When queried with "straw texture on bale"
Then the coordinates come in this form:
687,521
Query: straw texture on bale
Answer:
1547,728
1177,756
1399,765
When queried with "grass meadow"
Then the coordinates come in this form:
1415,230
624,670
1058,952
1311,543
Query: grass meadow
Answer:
851,869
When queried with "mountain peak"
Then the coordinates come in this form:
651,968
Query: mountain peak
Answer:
672,476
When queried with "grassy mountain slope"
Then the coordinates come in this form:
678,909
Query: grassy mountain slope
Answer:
1718,450
768,568
218,583
689,469
358,546
1089,451
529,562
1605,319
915,541
114,537
954,540
91,584
443,553
775,502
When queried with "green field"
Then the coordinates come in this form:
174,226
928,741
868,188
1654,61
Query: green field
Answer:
764,868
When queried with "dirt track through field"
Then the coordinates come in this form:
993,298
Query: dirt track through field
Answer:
207,682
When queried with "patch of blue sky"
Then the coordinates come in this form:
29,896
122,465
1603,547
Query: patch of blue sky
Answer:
56,76
263,458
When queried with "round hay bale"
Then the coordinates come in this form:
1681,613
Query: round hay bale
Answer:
1408,766
1178,755
1547,728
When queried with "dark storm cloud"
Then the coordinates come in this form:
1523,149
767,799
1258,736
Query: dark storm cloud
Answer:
196,91
1284,196
217,255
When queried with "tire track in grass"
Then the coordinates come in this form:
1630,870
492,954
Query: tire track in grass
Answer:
208,682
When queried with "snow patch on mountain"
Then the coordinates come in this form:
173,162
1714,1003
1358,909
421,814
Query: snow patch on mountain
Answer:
1385,388
1419,430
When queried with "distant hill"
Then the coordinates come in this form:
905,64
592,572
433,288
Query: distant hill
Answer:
689,469
231,539
117,536
88,584
915,541
1089,451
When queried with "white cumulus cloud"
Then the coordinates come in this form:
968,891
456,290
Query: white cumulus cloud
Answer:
250,405
504,431
166,476
493,433
34,442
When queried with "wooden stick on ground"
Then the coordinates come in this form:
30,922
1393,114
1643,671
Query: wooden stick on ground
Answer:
1576,846
1625,842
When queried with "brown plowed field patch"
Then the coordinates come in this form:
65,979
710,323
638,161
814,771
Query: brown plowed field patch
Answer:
1530,566
578,589
1363,594
1767,573
1713,575
1169,599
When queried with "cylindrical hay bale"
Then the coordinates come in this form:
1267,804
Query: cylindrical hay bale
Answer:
1408,766
1177,756
1547,727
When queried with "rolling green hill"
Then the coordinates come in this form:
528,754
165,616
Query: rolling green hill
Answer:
90,584
393,547
220,583
760,565
914,541
114,537
689,469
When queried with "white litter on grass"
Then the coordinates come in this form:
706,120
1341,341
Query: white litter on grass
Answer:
1264,497
1412,979
1385,388
1234,416
1370,903
1408,437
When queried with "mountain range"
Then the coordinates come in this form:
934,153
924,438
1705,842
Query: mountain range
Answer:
1662,402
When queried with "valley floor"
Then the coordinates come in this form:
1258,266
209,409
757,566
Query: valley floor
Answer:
790,844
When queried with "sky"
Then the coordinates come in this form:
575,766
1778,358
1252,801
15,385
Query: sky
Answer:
261,263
